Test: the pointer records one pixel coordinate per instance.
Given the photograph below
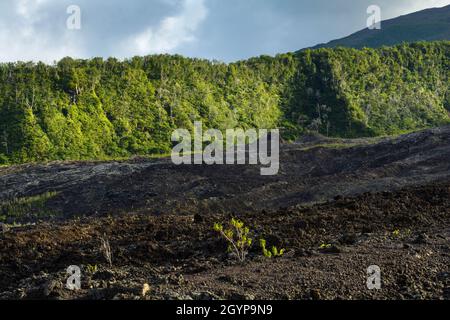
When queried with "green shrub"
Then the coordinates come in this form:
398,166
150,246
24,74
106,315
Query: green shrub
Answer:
92,269
237,237
273,253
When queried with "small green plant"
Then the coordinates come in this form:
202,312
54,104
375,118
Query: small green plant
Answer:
92,268
237,237
273,253
401,233
325,246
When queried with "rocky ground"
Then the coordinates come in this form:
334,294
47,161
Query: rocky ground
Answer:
337,207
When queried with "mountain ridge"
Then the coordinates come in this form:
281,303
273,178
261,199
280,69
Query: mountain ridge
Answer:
432,24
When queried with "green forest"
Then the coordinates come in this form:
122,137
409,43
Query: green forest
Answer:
104,109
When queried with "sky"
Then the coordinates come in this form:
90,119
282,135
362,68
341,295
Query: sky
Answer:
225,30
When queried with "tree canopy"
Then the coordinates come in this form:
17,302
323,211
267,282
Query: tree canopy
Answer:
99,109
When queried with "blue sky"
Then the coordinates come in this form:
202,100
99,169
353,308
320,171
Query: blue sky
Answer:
226,30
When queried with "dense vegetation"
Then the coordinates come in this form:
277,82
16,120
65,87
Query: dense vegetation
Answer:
94,109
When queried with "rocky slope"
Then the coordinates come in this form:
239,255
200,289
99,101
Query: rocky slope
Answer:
311,171
337,207
329,248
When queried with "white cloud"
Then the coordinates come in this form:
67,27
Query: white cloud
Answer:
409,6
27,8
235,29
171,33
33,30
26,34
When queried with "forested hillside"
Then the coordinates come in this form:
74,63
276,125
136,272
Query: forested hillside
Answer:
96,109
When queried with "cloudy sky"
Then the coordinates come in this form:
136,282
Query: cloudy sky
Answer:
226,30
